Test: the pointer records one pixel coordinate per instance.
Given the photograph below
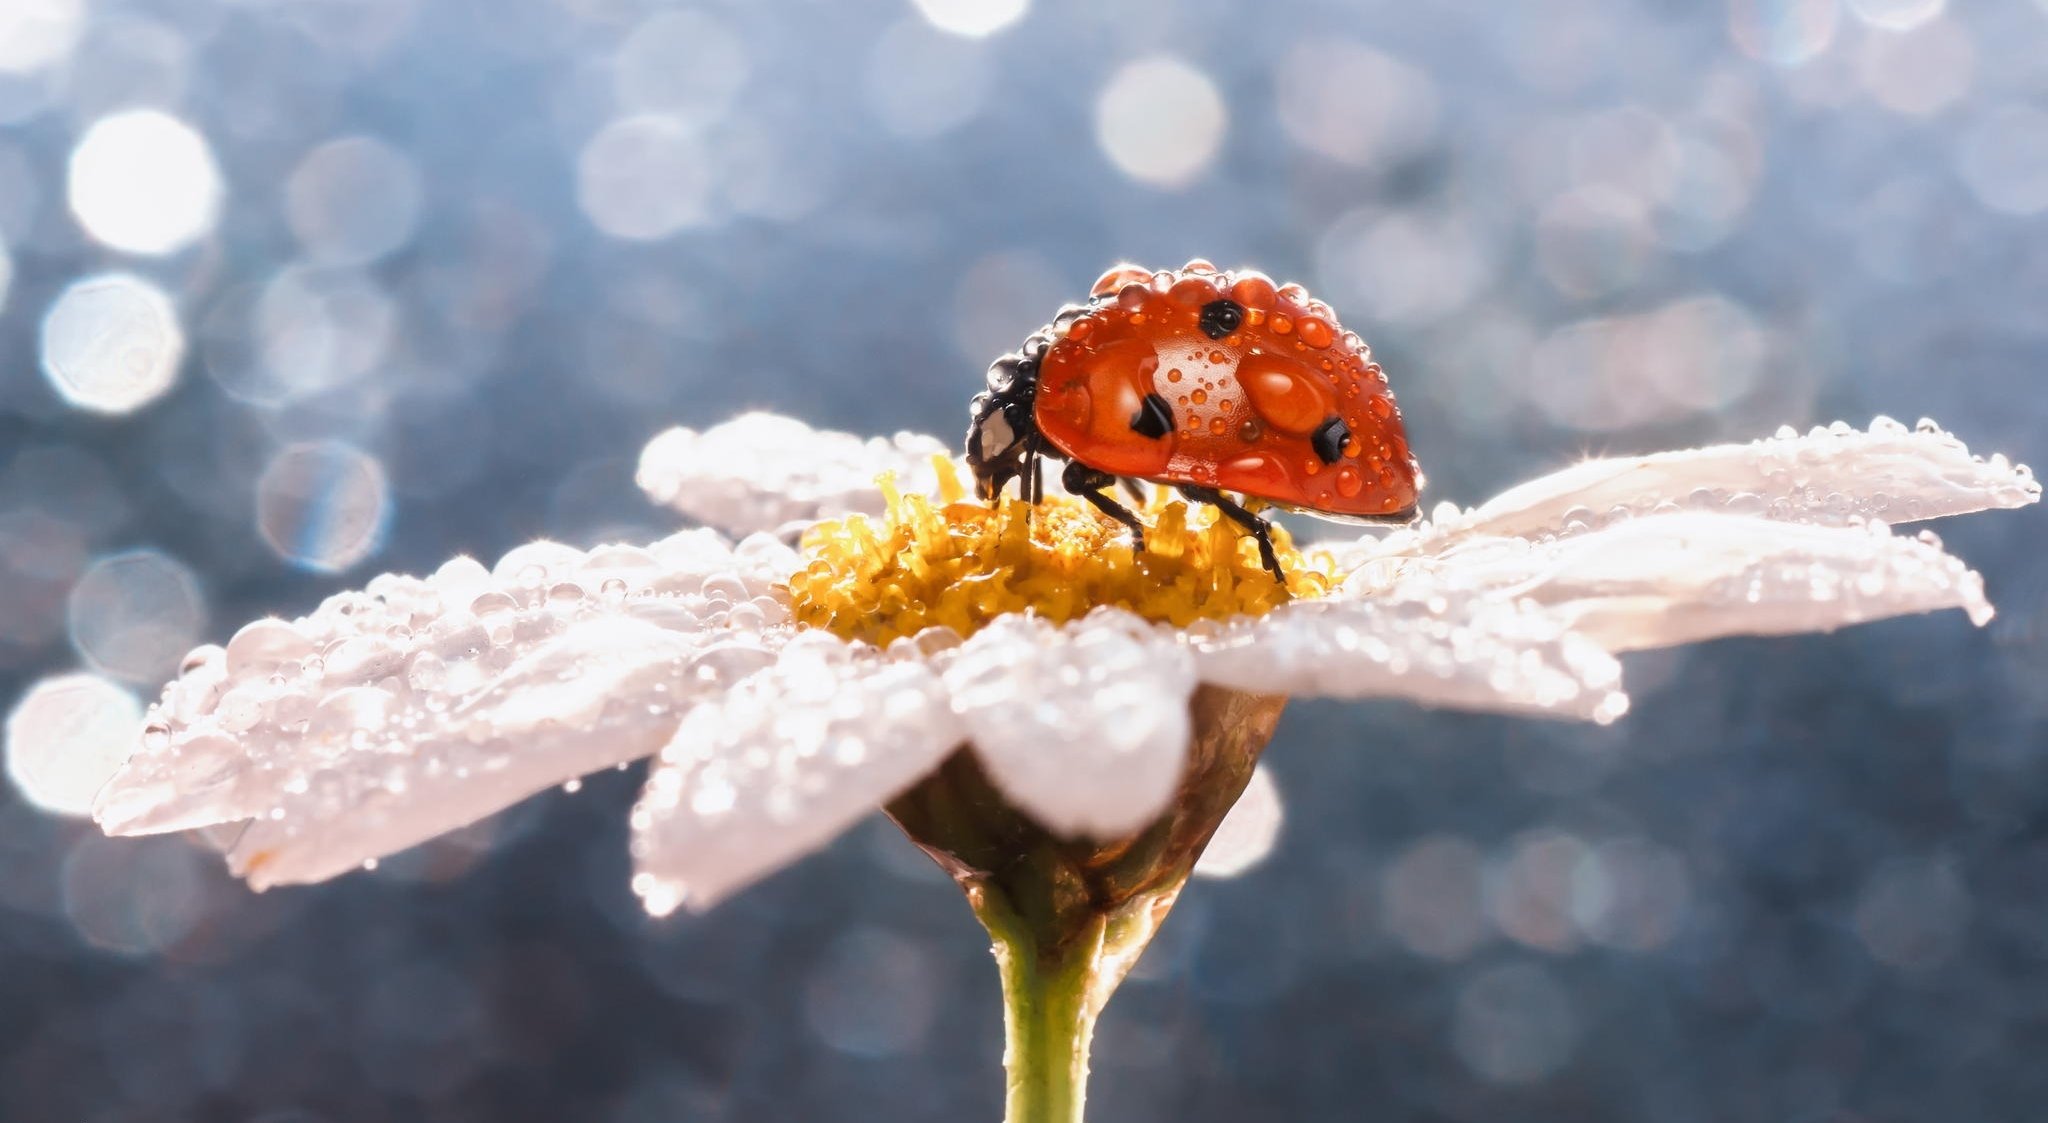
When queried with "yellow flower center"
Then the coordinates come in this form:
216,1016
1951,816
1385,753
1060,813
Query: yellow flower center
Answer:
961,564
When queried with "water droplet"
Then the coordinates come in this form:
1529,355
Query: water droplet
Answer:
492,604
565,593
613,590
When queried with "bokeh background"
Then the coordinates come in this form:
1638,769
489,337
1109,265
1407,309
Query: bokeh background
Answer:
296,291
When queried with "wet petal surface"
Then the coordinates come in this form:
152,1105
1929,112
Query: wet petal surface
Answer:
416,706
1474,652
763,471
1084,725
1831,477
1680,578
778,766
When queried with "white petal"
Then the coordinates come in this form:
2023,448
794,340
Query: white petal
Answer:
1670,579
1831,477
1473,652
417,706
1085,726
762,471
781,764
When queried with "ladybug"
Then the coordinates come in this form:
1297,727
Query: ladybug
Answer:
1206,381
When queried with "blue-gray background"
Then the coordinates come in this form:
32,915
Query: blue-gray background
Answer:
441,266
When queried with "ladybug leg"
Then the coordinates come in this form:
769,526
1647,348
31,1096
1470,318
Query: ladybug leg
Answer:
1260,529
1079,479
1136,489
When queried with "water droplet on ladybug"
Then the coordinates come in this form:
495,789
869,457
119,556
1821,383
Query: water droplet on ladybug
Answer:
1282,325
1349,481
1201,396
1249,432
1173,375
1253,291
1216,357
1117,278
1217,426
1316,333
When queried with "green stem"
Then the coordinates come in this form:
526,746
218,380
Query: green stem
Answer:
1054,987
1048,1019
1070,916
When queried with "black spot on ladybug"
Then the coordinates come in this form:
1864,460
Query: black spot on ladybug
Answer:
1154,418
1221,317
1330,438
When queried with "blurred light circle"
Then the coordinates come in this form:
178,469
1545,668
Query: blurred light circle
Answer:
37,33
353,200
1160,121
1001,299
111,343
765,172
972,18
1593,241
645,177
1513,1024
320,328
921,83
1921,71
1690,356
1247,834
1630,894
1709,189
1913,913
128,62
65,739
133,896
1529,894
144,182
2004,159
1896,15
873,995
1431,897
133,615
686,63
1786,32
322,505
1352,103
1401,266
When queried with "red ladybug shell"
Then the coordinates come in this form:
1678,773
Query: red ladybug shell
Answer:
1245,407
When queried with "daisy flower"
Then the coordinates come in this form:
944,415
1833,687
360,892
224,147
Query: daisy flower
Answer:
1060,720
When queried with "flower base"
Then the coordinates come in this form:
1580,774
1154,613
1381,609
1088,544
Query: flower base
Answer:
1070,916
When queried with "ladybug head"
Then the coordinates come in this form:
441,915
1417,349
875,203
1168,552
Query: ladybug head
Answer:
1001,436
